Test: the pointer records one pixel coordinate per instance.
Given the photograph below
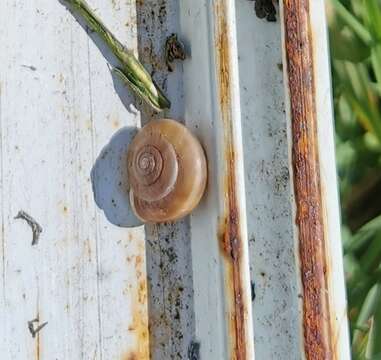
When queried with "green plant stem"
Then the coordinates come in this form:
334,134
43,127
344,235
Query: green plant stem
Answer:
373,17
134,74
373,350
368,310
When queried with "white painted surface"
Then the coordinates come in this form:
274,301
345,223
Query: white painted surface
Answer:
329,183
206,116
269,198
83,277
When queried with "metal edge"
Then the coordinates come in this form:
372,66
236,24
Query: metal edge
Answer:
223,318
329,184
233,227
315,224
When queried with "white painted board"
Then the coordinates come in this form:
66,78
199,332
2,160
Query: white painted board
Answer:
59,109
65,123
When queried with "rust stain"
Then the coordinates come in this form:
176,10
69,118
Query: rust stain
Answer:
87,248
139,306
318,334
114,120
38,350
63,208
229,230
131,356
38,345
139,325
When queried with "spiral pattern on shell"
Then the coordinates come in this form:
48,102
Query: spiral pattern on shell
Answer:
167,171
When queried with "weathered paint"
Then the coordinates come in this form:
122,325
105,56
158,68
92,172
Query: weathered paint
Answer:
169,262
221,282
89,271
77,274
319,330
276,315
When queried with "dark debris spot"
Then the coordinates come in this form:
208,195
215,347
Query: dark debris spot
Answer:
253,294
194,351
265,9
34,331
36,227
30,67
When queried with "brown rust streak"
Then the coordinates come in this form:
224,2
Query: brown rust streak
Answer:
38,350
229,232
138,327
309,217
131,356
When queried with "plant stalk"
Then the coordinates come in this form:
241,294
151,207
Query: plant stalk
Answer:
131,70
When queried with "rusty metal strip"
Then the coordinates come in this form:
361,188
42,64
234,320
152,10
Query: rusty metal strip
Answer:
230,228
223,322
307,186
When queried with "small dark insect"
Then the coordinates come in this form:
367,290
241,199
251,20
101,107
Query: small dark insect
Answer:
36,227
265,9
194,351
35,331
174,49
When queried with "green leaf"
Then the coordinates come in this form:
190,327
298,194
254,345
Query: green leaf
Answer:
352,22
346,45
364,235
360,95
346,123
370,260
368,310
376,61
357,8
373,349
371,142
373,17
128,78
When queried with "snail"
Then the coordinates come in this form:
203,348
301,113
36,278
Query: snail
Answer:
167,171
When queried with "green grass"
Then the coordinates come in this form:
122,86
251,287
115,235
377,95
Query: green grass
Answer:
355,38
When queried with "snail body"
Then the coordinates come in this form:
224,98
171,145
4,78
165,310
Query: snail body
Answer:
167,171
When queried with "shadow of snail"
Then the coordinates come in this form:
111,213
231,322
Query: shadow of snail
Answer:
158,174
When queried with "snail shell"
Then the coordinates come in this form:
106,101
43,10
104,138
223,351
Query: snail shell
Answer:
167,171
